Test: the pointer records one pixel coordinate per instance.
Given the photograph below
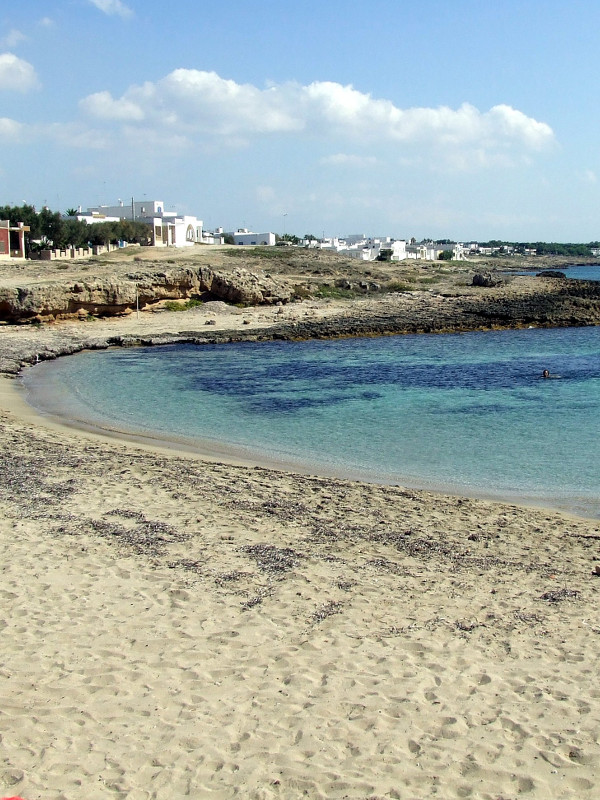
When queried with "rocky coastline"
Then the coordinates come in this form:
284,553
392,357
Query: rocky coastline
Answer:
522,302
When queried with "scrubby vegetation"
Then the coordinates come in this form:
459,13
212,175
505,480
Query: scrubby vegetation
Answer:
177,305
325,291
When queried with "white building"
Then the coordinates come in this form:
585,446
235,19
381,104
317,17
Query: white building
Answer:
246,237
168,227
213,237
428,251
416,251
355,238
366,249
398,247
134,210
91,216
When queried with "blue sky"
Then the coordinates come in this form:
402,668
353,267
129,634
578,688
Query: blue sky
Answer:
467,119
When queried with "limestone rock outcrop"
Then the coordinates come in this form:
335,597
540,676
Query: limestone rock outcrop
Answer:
44,301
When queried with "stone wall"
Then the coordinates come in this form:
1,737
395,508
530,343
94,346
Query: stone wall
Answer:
72,252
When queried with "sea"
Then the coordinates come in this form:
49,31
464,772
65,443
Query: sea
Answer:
586,272
467,413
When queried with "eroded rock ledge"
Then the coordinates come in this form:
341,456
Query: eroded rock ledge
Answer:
46,301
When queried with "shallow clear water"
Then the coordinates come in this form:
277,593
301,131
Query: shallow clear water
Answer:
468,413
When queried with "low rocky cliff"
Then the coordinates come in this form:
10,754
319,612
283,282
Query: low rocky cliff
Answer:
554,304
44,301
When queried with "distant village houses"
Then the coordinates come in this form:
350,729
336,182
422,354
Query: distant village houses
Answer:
387,248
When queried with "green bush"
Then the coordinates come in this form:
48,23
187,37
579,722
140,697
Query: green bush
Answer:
396,286
326,292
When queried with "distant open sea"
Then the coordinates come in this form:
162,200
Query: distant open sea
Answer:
586,272
462,413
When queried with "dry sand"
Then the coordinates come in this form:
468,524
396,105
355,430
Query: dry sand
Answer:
172,627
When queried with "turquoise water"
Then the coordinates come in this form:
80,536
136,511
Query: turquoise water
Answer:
467,413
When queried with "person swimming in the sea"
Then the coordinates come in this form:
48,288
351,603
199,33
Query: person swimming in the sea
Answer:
545,374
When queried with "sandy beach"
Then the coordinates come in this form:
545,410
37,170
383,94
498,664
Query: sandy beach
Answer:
176,627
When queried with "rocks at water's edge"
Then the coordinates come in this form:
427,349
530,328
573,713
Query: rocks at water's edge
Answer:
551,273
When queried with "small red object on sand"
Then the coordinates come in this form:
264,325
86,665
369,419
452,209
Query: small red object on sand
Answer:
11,798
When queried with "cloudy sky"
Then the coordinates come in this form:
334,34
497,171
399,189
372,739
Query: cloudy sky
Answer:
467,119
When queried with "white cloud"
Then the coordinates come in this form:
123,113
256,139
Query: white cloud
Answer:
113,7
72,135
102,106
16,74
507,123
12,38
9,129
205,100
205,106
350,160
46,22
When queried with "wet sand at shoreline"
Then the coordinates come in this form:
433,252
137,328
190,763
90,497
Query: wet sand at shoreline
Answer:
178,627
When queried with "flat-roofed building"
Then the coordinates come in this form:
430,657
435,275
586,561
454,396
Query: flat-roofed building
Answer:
12,239
244,236
169,229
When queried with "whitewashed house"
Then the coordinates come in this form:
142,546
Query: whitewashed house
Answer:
398,250
416,251
213,237
168,227
245,237
429,251
357,246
